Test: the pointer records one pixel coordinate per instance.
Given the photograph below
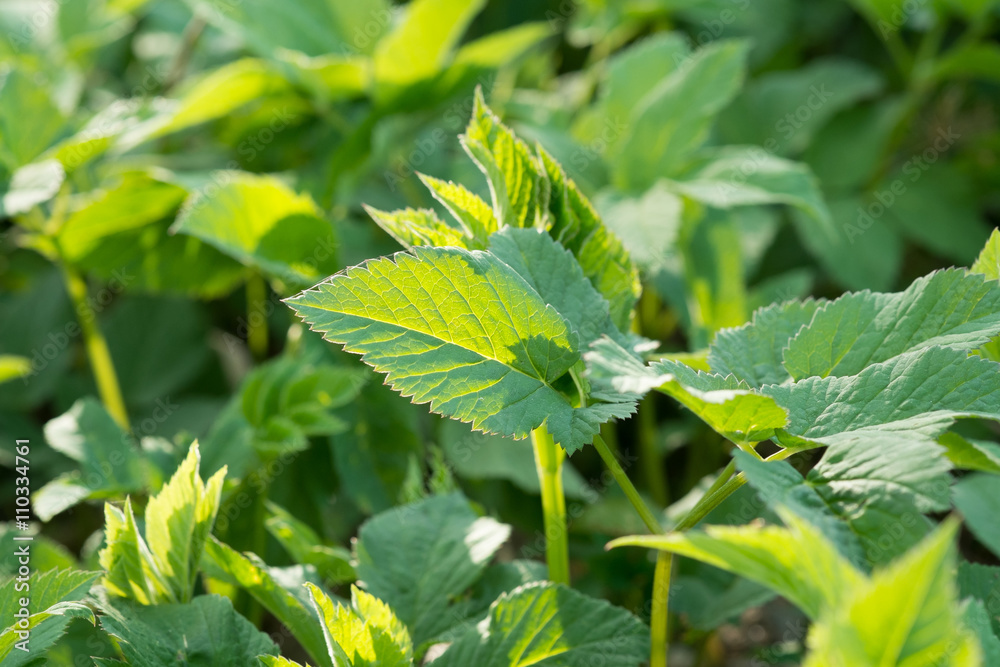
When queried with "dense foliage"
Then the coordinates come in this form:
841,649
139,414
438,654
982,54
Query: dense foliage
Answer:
355,334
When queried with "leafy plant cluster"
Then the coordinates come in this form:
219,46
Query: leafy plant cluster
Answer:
617,320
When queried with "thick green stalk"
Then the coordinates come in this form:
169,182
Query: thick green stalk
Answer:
257,316
659,619
548,461
97,348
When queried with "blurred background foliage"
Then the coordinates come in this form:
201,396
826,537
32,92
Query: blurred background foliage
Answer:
170,169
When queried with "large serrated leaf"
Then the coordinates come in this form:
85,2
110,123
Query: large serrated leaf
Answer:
753,352
549,625
419,557
206,632
920,393
949,308
725,403
463,331
781,484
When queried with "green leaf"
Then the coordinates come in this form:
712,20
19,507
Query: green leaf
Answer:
977,497
419,227
421,43
746,176
603,257
304,546
893,398
475,215
419,557
753,352
725,403
52,601
261,222
779,483
797,561
939,191
462,331
29,119
783,110
109,461
367,634
977,620
546,624
674,117
179,519
31,185
558,278
632,73
206,632
982,583
950,308
163,567
518,185
879,484
968,454
978,60
277,661
129,568
135,202
649,226
121,236
988,262
287,399
906,614
314,27
291,607
223,91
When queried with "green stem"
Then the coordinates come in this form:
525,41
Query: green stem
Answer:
548,461
649,454
97,348
709,503
659,622
257,316
659,619
647,516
